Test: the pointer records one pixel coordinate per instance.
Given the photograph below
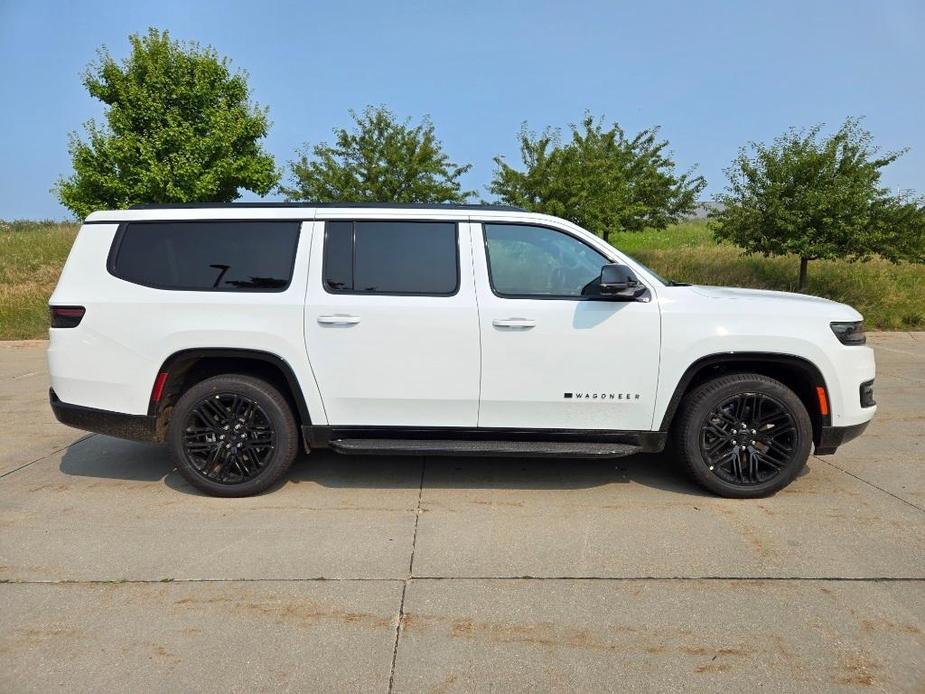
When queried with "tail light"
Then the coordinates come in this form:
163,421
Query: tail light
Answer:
66,316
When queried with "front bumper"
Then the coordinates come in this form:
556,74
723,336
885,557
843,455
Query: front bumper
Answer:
118,424
830,438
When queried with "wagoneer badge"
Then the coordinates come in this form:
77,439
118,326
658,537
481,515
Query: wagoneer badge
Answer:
601,396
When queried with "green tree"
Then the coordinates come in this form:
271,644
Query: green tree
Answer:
381,160
179,128
600,179
818,197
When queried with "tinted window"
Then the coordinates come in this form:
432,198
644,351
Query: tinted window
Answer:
536,261
391,257
216,256
338,256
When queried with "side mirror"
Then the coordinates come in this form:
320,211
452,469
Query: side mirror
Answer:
618,282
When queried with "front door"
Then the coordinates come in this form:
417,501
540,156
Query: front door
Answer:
553,355
391,323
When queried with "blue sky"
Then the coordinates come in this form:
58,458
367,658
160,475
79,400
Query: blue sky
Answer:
713,75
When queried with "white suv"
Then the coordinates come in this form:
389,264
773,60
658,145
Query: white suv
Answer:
239,333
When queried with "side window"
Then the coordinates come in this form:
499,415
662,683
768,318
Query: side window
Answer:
253,256
391,258
527,261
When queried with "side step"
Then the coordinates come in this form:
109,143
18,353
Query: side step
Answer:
529,449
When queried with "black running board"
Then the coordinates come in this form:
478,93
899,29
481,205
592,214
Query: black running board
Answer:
449,447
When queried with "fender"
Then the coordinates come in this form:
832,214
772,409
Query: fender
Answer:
175,360
809,370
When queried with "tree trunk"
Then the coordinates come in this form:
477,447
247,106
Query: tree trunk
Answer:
803,263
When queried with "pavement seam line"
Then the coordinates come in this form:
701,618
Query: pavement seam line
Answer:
682,579
406,581
38,460
410,577
417,517
870,484
165,581
401,616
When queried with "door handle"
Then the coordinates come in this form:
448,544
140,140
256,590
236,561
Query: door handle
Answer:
338,320
522,323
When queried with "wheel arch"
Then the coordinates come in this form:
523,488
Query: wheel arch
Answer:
187,367
797,373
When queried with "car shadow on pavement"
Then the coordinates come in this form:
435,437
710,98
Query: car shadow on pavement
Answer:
103,457
333,470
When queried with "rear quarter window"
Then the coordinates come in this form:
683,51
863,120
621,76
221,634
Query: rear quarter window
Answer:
253,256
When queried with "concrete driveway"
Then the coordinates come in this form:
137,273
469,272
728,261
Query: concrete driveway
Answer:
448,575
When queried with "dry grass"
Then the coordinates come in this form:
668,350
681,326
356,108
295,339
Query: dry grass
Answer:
31,257
891,297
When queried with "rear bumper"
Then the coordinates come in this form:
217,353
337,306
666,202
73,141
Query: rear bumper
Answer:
830,438
123,426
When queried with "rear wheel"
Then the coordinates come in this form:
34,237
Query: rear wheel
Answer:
744,435
232,435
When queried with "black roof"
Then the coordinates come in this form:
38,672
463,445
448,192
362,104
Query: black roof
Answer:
360,205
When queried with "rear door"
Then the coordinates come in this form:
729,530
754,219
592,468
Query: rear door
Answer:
554,356
391,322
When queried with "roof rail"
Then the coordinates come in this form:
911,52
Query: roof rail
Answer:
359,205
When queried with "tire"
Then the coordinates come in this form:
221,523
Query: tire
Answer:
739,462
232,435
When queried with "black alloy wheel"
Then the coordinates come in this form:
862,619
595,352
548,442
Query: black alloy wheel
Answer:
233,435
748,439
743,435
228,438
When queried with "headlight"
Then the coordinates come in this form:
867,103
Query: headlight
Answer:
849,333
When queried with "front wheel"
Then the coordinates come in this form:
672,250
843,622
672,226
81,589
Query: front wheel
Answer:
232,435
743,435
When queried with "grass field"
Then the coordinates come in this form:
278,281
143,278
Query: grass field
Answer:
891,297
31,256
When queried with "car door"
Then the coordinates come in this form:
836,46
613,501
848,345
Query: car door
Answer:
391,323
554,355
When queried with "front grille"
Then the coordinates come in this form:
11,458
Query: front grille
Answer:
867,394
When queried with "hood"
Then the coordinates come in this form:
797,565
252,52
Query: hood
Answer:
780,302
761,294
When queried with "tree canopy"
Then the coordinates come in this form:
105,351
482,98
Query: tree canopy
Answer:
179,128
381,159
818,197
600,178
